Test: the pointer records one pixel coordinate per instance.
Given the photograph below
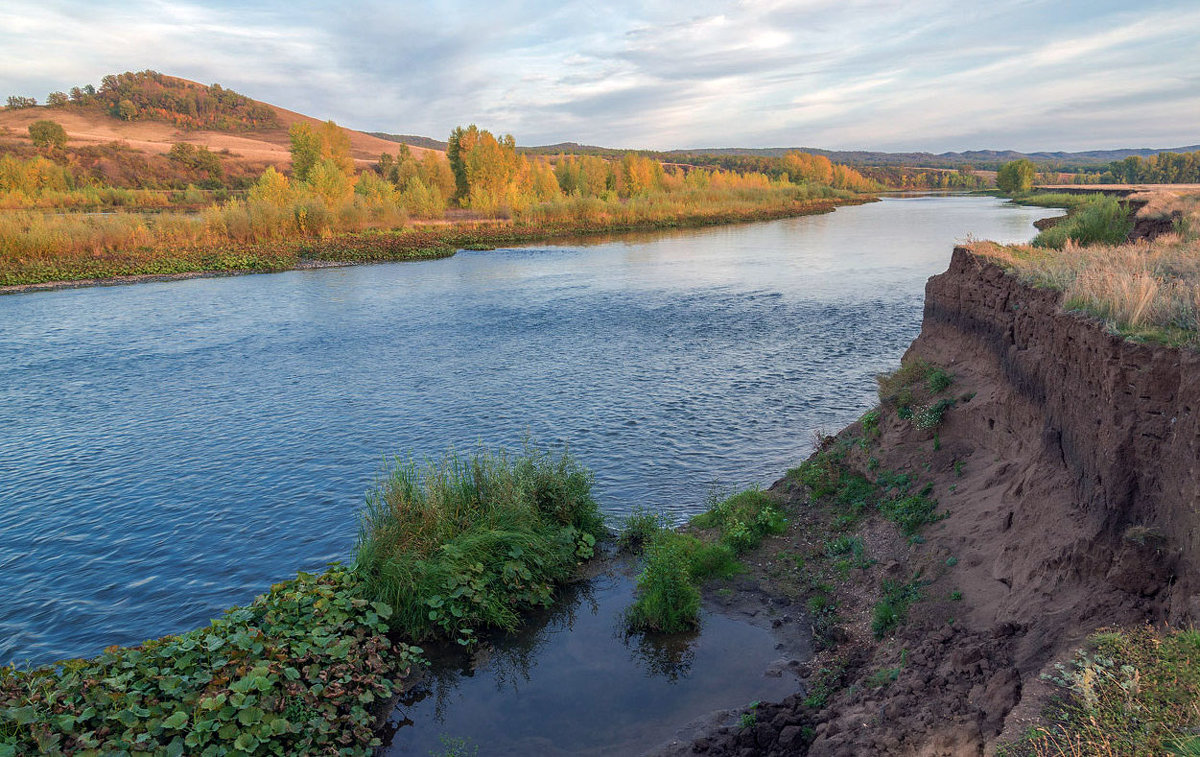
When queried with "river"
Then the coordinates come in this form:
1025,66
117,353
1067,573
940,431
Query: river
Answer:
170,449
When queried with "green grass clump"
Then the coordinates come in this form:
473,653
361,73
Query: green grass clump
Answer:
640,528
293,673
1052,200
743,519
466,543
1102,220
1131,692
910,513
667,599
892,609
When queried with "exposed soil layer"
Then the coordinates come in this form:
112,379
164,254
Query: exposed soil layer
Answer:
1068,470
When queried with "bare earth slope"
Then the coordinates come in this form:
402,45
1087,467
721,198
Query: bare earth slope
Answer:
1068,470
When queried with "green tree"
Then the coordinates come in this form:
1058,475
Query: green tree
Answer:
1016,177
57,99
48,134
306,150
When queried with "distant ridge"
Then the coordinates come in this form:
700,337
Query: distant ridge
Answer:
973,158
429,143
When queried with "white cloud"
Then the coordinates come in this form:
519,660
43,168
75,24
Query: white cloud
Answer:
929,74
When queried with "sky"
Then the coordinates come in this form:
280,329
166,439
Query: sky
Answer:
934,75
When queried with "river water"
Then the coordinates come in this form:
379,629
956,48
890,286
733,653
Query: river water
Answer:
168,450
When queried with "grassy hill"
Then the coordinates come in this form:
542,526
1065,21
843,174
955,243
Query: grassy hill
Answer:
249,135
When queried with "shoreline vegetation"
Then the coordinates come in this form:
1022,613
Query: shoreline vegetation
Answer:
324,210
1132,263
445,549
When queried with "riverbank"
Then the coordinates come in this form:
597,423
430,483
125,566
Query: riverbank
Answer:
1027,479
418,242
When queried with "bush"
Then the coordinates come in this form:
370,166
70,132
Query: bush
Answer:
1103,220
640,528
910,513
667,600
48,134
743,519
469,542
293,673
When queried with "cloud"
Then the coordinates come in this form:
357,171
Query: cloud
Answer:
921,74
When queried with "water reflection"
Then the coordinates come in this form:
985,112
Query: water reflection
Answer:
574,682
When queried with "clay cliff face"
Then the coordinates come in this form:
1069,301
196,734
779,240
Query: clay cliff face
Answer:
1118,427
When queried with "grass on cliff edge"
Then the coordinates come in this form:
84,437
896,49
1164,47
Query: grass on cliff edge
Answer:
1148,291
469,542
1130,692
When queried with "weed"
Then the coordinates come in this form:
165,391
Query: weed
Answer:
743,519
667,600
951,561
938,380
1102,220
959,465
870,422
884,676
892,609
910,513
640,527
956,596
931,416
1133,691
750,719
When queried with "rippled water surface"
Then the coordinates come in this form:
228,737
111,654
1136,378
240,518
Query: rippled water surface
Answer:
168,450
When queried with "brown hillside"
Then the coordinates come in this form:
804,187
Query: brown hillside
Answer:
88,126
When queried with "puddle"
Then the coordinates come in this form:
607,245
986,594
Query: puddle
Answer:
571,682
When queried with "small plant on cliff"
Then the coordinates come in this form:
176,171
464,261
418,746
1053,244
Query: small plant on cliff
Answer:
910,513
892,609
931,416
743,519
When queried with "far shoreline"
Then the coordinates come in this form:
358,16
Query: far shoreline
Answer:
485,231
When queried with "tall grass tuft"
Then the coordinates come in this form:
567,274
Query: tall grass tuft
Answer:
1102,220
468,542
667,601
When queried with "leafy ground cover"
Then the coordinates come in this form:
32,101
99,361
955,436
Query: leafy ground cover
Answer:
445,549
295,672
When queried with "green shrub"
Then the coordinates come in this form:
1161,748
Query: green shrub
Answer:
667,600
641,526
910,513
293,673
931,416
743,519
892,609
470,542
1103,220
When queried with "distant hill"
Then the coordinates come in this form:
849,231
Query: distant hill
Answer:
242,129
429,143
982,159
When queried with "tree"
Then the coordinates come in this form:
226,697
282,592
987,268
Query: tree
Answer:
306,150
57,99
1016,177
335,146
48,134
16,102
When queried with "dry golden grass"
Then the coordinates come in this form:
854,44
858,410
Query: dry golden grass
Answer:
1145,290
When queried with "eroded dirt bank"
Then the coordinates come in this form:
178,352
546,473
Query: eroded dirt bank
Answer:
1065,466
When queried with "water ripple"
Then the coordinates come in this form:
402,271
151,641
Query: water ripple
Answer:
168,450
